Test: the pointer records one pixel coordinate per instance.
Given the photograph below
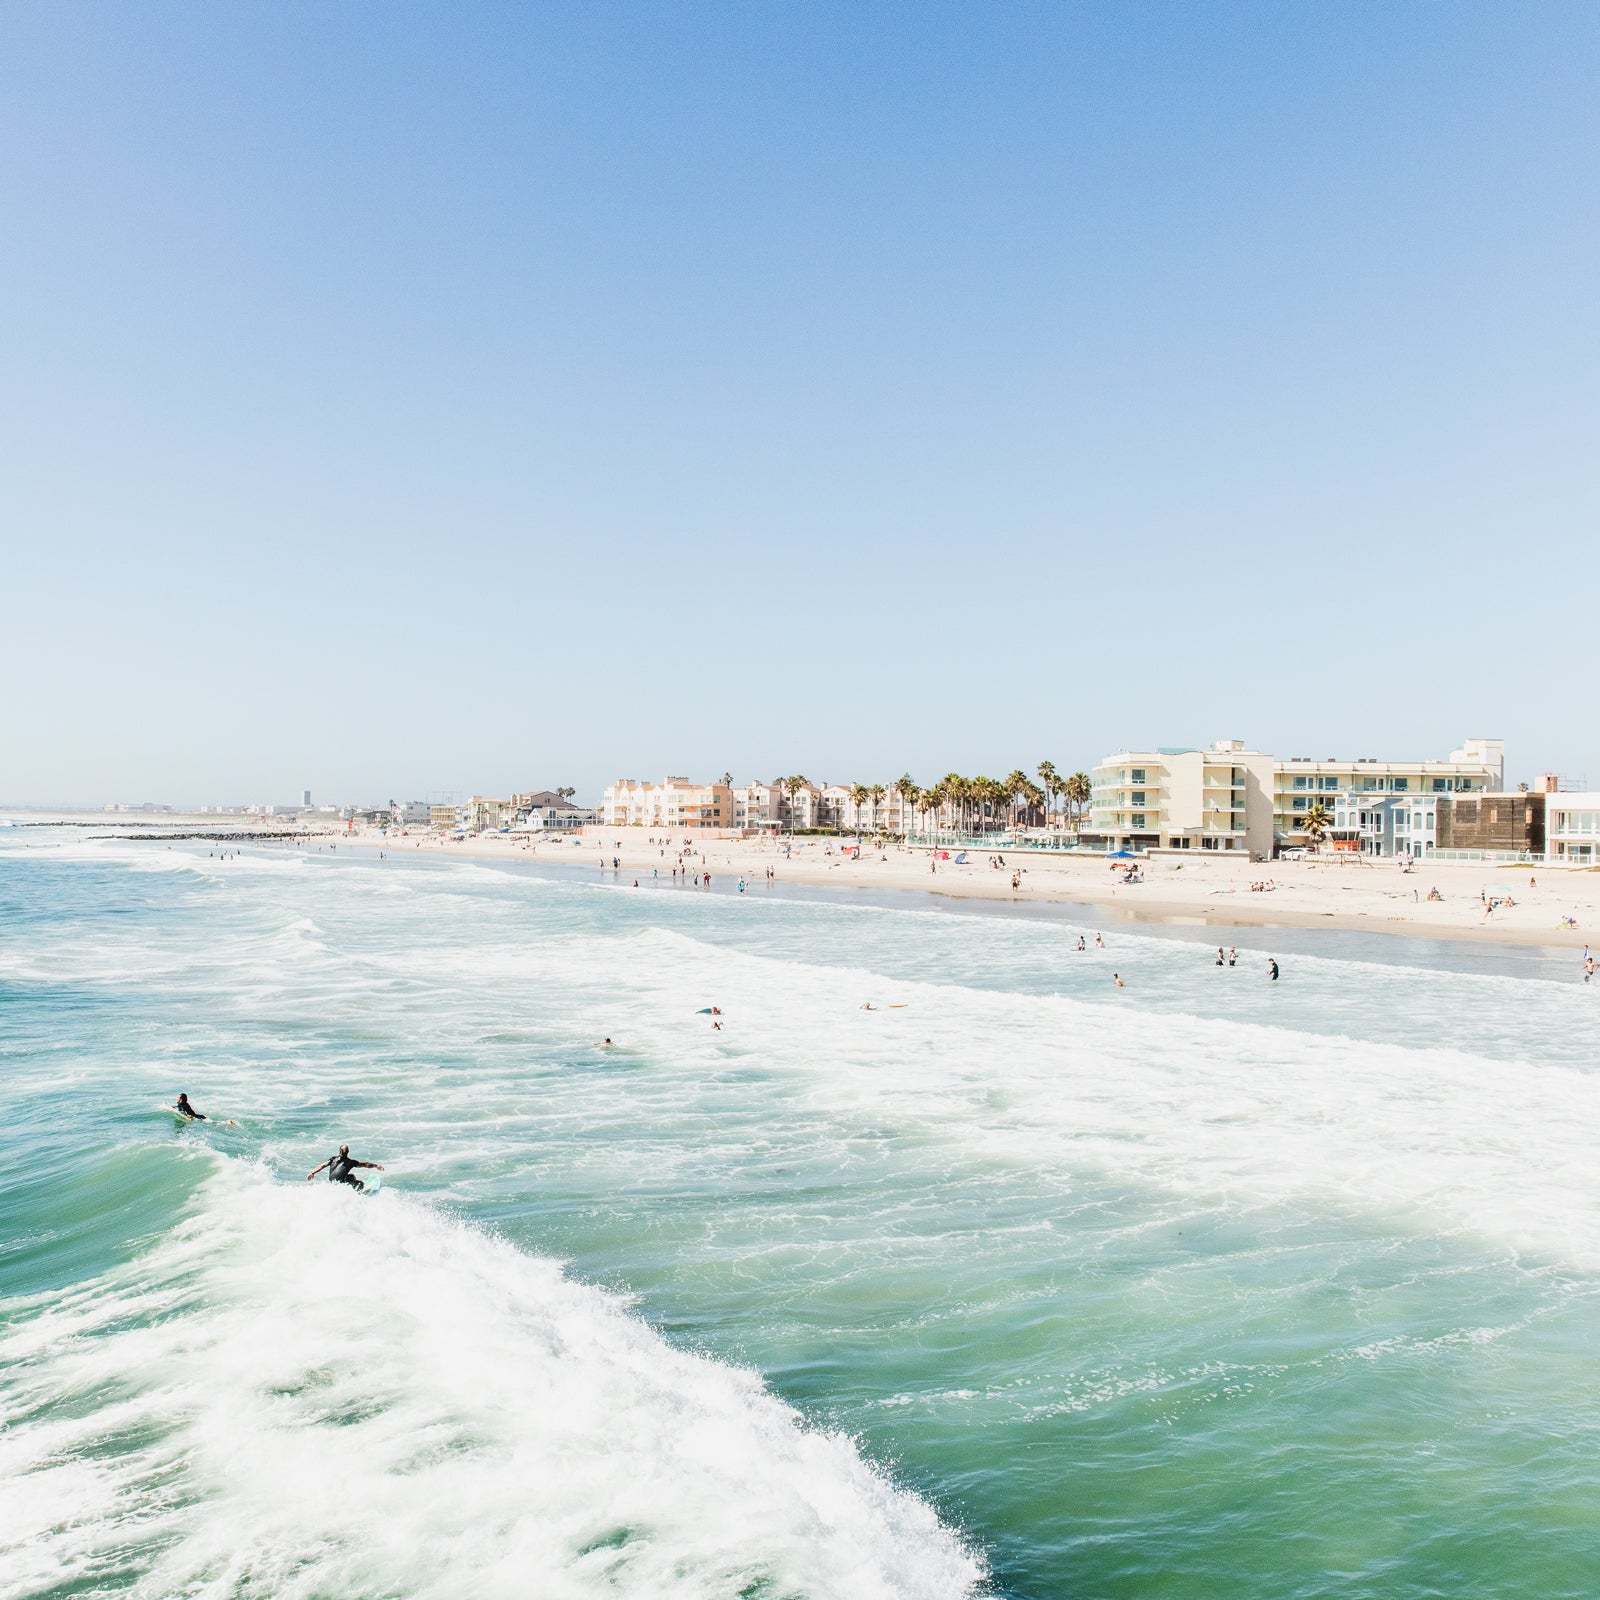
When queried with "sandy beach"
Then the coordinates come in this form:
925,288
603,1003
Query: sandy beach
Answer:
1371,896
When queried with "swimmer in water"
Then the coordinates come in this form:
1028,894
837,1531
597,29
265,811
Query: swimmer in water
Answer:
1116,978
341,1166
184,1109
604,1044
1272,968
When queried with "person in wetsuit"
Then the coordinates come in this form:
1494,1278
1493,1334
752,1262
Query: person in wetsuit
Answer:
184,1109
341,1166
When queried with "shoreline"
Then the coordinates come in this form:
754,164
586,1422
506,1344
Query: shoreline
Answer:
1376,897
1196,893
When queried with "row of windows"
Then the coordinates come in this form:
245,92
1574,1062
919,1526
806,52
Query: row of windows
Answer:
1585,823
1391,785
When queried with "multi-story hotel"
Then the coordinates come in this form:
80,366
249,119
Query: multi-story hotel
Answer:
1230,798
676,803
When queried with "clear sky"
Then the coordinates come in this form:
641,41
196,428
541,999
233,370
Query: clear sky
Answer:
399,398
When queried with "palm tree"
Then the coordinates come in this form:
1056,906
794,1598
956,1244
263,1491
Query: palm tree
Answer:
858,798
727,780
1078,790
792,786
565,794
1315,824
877,791
1016,783
1051,779
909,794
955,798
1032,797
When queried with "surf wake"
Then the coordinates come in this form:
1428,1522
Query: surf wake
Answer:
299,1393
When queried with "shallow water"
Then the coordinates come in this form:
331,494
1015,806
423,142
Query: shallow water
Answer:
1204,1287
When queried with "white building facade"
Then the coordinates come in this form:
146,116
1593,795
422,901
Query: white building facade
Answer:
1572,828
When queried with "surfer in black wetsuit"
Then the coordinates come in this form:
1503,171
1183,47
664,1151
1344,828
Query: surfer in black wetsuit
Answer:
184,1109
340,1167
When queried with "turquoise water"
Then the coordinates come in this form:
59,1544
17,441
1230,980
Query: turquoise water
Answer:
1206,1287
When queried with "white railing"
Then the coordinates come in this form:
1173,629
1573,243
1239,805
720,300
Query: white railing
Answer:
1531,858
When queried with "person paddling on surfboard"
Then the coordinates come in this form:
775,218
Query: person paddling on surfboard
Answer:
340,1167
184,1109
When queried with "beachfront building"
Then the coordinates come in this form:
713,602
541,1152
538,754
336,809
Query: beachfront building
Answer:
409,814
674,803
761,807
1301,782
1226,798
805,807
482,815
1492,823
856,809
1390,826
1219,798
758,807
545,812
442,817
1572,827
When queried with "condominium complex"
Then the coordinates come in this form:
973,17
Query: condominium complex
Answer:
675,803
1229,798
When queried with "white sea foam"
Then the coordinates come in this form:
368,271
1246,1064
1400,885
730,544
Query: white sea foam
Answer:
304,1393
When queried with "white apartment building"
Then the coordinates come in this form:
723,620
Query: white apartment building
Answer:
1572,827
674,803
409,813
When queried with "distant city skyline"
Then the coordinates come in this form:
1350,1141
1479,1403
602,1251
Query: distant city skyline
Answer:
480,396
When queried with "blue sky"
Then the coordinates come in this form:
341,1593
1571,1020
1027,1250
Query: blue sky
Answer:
403,398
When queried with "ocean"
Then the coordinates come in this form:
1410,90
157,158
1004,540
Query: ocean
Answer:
1017,1284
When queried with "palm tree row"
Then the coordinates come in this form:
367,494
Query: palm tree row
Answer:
979,804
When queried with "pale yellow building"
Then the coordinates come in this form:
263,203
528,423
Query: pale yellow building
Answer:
1302,781
1227,798
1183,799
